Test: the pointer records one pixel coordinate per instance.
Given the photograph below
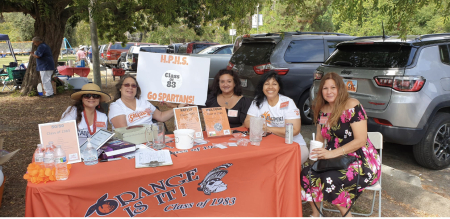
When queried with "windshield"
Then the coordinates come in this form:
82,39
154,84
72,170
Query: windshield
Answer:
154,49
372,55
209,50
253,54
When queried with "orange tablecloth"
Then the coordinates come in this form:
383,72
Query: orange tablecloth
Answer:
69,71
259,181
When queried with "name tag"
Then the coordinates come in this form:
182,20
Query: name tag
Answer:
100,124
284,105
232,113
323,120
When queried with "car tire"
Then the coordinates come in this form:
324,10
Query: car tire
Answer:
304,104
433,151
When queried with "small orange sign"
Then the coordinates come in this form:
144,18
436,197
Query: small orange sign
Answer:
284,105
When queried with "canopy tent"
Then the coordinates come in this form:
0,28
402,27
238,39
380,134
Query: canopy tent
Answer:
4,37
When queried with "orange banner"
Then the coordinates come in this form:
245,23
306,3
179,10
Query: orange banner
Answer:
241,181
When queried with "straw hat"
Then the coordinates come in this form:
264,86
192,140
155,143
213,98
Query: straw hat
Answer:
91,88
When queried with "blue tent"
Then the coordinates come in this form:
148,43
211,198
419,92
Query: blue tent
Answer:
4,37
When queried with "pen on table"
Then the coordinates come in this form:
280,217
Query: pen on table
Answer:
112,159
173,153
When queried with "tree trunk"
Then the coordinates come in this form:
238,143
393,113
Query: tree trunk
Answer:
94,43
51,28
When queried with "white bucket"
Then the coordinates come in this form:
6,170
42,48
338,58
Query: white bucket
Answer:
39,89
184,138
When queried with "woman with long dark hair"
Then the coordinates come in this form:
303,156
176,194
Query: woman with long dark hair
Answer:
226,92
277,109
87,111
342,121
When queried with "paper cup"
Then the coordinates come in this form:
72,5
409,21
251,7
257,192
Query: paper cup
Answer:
313,145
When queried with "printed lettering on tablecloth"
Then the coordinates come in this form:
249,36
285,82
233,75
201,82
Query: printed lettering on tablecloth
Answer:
165,192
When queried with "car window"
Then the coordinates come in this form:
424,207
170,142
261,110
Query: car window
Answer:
119,46
182,49
225,50
208,50
154,49
444,54
253,53
372,55
304,51
200,47
332,46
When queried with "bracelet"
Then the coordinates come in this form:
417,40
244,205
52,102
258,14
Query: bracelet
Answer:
343,151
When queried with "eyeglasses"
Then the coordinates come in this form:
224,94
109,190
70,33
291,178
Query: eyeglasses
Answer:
88,96
128,85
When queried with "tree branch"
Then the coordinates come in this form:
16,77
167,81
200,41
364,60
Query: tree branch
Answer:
26,7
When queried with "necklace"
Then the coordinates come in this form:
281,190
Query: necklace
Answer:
87,123
226,102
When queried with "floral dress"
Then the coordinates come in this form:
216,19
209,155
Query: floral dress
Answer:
338,186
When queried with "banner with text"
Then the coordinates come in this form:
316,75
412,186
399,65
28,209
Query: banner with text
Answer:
173,78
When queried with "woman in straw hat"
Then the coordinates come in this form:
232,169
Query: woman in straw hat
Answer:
87,111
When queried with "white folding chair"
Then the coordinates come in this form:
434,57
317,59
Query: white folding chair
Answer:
377,140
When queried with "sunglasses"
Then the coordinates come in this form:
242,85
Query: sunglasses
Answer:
128,85
88,96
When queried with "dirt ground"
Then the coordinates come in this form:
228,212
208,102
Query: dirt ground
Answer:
19,119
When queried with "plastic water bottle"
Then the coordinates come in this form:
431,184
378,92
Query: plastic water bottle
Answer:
61,164
39,155
49,158
90,154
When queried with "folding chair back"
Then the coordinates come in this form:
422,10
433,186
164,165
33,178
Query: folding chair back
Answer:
8,79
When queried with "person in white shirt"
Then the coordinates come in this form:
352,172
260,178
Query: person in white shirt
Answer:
277,109
129,109
87,111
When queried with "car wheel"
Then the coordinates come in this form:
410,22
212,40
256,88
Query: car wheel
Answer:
304,104
433,151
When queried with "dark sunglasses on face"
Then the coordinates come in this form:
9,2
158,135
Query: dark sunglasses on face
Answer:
88,96
128,85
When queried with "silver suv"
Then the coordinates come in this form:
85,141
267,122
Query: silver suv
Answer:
404,85
294,55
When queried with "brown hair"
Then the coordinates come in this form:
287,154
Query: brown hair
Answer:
120,83
339,103
237,82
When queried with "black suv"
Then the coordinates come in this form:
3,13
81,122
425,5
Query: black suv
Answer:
294,55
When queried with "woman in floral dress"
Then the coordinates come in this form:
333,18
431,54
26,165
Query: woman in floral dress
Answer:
342,121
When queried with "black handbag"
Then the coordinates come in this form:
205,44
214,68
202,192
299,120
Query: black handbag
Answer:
337,163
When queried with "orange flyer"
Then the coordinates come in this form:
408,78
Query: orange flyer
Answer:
216,121
64,134
188,118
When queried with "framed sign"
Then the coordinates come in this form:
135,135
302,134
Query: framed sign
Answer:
216,121
173,78
64,134
188,118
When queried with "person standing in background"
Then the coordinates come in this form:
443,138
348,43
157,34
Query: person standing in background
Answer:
81,55
44,64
